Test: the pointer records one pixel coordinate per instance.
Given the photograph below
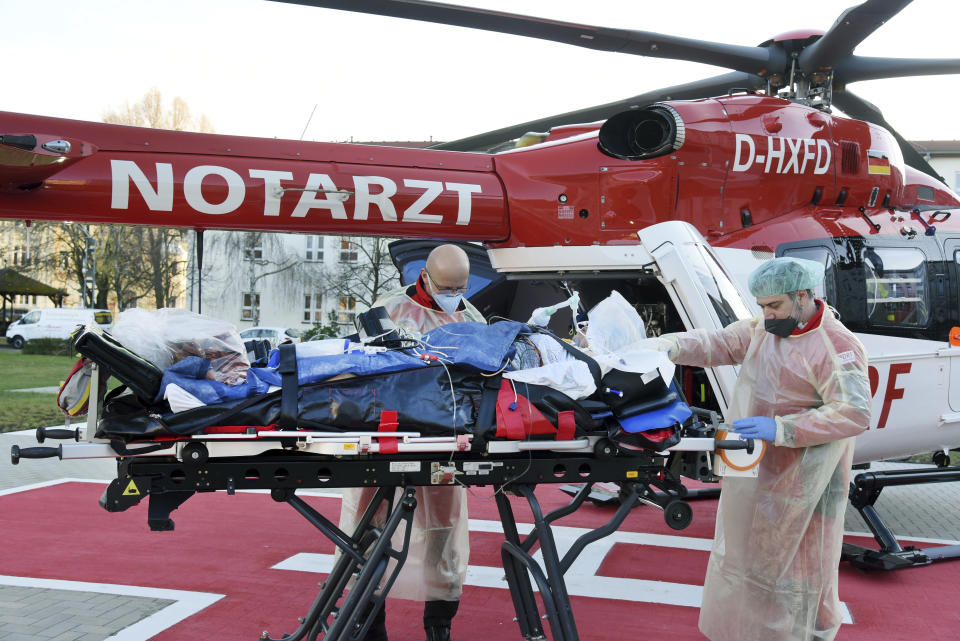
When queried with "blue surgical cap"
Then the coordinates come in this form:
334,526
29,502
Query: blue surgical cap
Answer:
784,275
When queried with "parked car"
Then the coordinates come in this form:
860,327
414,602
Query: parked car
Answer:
275,335
55,323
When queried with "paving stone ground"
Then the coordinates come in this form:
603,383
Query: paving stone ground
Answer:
41,614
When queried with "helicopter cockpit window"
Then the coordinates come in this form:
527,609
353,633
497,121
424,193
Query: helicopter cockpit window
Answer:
827,290
723,294
898,290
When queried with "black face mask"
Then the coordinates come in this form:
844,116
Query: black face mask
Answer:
783,327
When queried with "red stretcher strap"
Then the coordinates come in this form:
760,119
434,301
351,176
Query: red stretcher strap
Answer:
566,425
509,414
388,423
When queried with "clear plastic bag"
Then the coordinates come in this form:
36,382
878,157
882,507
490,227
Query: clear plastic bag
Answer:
572,377
166,336
614,325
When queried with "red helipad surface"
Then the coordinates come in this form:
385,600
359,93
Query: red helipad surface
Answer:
229,544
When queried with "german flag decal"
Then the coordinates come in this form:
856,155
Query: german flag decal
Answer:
877,162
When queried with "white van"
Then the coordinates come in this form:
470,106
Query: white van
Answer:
55,323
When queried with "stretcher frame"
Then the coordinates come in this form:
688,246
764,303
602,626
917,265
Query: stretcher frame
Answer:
170,472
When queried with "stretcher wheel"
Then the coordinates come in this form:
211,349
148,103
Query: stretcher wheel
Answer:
195,453
678,514
605,448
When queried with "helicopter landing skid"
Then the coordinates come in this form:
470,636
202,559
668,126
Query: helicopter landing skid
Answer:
864,492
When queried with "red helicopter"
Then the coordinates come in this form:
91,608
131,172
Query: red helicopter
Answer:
754,159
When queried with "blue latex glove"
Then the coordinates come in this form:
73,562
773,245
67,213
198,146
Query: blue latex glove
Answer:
761,427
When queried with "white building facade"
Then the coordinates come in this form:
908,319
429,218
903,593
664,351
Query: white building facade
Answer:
253,279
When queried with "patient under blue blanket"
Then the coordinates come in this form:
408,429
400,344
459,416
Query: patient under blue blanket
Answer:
475,346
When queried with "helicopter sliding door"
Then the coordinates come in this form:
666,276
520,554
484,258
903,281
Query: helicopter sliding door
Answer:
951,254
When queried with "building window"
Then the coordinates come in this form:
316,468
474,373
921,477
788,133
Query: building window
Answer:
250,302
348,251
19,255
897,287
314,248
253,247
346,309
313,308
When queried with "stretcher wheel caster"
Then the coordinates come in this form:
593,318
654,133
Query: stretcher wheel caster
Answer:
605,448
678,514
195,453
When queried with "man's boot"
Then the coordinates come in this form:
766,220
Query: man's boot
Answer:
378,630
437,617
438,633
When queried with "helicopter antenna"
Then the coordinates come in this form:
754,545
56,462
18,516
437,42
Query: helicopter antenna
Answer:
308,122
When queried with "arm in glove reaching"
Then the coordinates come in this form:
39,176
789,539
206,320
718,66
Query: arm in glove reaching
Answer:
666,344
761,427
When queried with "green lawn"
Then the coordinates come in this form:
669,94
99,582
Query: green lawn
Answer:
22,410
19,371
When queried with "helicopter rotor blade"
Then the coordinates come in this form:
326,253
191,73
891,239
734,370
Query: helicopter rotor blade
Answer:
857,68
755,60
856,107
849,30
707,87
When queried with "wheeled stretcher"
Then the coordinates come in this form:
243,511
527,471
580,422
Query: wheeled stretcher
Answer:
500,433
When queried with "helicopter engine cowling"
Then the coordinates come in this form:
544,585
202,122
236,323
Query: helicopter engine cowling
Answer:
642,133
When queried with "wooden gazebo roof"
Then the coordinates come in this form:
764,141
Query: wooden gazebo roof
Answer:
13,282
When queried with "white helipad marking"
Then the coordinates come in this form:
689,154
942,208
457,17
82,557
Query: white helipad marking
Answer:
185,603
581,578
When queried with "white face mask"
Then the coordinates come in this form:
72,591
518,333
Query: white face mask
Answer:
448,302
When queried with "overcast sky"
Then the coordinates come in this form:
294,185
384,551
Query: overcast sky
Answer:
258,68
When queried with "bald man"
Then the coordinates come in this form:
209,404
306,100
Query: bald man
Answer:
437,296
436,565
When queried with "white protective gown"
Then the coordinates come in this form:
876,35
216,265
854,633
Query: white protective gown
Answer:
436,564
772,574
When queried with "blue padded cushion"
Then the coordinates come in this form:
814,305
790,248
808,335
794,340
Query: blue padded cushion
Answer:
676,412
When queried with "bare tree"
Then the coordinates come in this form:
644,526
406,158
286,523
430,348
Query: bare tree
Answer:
368,275
155,254
150,111
163,249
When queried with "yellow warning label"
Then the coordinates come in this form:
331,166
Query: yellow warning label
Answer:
630,475
349,447
131,489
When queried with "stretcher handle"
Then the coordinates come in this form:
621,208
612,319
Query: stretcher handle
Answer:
44,433
16,453
735,445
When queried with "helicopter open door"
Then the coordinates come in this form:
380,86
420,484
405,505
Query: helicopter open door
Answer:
700,288
951,255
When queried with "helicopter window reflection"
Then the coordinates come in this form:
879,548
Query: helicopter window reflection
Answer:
897,287
723,294
827,290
